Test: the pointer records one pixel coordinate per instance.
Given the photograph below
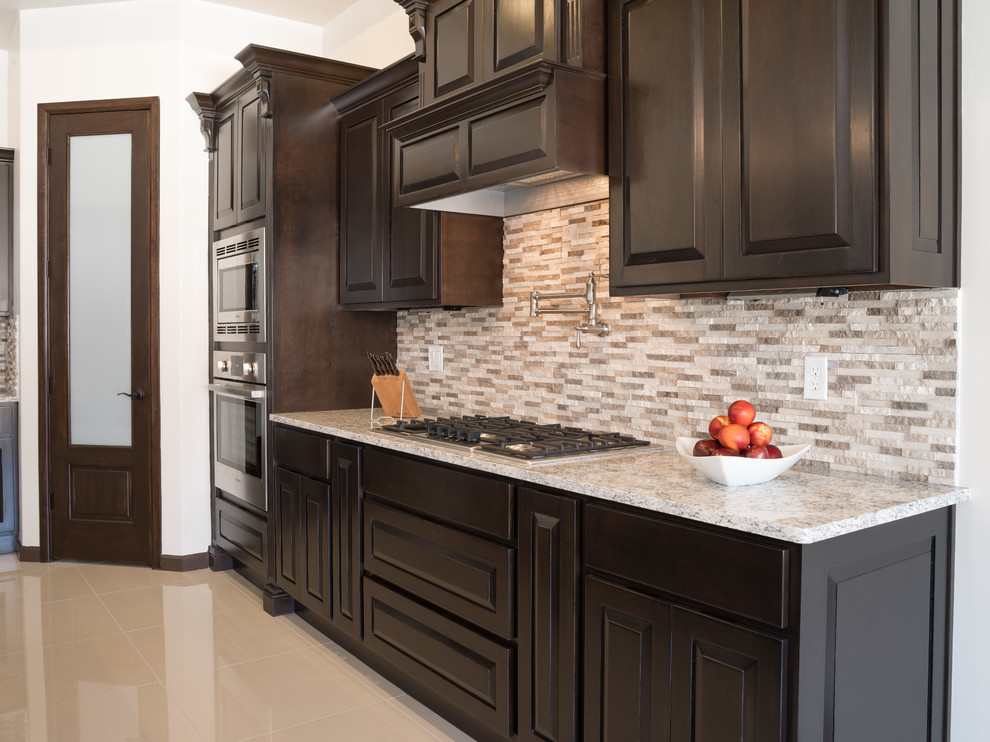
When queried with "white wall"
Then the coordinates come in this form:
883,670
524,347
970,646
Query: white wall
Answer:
374,33
164,48
971,638
4,98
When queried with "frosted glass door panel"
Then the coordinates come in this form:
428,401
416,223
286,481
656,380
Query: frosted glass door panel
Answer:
100,289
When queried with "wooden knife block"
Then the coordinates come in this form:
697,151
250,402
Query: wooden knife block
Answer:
396,402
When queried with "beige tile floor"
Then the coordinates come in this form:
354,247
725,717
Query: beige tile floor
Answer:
107,653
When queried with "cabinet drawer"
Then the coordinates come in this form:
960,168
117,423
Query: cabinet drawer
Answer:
455,663
451,495
742,577
463,574
303,452
242,533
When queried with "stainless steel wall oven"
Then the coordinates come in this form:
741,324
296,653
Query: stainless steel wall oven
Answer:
240,422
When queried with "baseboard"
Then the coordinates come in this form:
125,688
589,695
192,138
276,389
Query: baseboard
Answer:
28,553
186,563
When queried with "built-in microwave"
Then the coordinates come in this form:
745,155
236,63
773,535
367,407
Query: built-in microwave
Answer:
239,287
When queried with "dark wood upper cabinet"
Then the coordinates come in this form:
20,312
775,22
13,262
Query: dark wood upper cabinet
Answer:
395,257
470,42
764,145
239,182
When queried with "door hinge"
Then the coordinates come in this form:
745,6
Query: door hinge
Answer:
51,500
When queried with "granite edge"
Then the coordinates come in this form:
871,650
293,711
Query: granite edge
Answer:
780,530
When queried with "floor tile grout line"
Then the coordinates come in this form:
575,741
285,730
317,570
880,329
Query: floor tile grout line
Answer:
416,718
272,730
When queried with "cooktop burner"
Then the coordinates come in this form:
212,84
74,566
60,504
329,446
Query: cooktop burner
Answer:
519,439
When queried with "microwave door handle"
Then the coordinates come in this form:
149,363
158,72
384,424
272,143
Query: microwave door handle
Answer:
243,393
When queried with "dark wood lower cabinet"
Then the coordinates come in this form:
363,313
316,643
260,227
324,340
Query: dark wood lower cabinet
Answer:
726,682
626,665
525,614
346,528
549,612
242,534
302,554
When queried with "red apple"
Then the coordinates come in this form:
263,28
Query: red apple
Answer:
724,452
742,412
717,424
774,453
734,436
705,447
760,434
756,452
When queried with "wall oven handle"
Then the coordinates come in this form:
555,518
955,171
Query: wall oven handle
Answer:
236,392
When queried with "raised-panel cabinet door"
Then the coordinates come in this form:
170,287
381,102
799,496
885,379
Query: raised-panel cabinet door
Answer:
288,488
252,157
454,59
664,142
410,236
346,539
360,196
519,31
549,612
800,138
726,682
626,665
314,546
224,210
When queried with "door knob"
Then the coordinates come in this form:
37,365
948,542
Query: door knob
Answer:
136,394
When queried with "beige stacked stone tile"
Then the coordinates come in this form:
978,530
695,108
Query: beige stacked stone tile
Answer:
670,364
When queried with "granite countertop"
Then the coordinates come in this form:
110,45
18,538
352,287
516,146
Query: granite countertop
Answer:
798,507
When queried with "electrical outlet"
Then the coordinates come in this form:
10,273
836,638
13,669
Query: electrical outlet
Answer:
435,354
816,377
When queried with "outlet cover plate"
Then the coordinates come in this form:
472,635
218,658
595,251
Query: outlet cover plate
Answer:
816,377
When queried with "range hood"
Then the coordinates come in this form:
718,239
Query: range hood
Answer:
519,133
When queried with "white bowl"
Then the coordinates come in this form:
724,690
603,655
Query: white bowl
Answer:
738,470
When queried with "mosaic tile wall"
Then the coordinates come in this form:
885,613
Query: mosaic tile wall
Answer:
670,365
8,356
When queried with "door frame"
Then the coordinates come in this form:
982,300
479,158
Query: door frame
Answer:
45,111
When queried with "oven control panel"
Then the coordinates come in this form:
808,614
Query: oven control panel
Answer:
233,366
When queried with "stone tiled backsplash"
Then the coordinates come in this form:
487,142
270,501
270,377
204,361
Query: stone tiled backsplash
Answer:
670,365
8,356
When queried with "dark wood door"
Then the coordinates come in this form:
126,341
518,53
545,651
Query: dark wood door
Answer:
519,31
360,198
627,682
346,546
100,330
303,549
549,608
410,237
456,56
252,156
665,99
287,502
726,682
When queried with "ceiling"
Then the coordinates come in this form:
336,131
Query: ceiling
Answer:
315,12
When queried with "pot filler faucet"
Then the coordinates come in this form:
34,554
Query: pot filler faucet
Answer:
592,310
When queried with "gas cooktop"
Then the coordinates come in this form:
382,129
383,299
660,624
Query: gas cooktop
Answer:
524,440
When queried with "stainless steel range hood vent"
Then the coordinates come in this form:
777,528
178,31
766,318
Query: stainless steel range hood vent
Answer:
549,191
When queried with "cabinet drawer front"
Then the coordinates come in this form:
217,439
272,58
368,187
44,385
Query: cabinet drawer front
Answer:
431,161
743,577
458,497
514,136
450,660
303,452
242,533
465,575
